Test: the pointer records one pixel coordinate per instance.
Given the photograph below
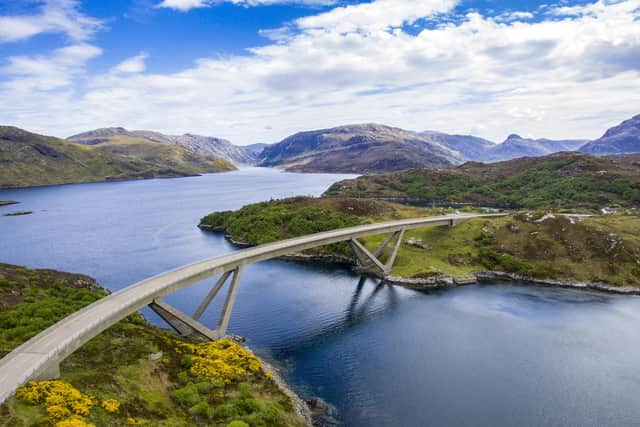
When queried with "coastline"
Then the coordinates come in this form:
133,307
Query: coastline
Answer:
299,405
441,280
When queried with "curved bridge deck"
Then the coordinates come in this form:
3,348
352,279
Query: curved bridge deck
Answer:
42,353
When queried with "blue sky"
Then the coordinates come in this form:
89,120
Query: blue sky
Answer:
258,70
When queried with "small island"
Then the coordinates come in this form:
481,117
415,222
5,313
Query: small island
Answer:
18,213
7,202
599,252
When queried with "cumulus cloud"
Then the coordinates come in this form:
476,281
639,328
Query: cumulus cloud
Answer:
186,5
135,64
360,63
378,15
54,16
47,72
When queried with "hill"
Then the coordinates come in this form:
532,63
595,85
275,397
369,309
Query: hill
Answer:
29,159
357,149
561,180
132,373
194,144
621,139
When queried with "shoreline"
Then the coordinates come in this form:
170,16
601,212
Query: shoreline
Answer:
440,281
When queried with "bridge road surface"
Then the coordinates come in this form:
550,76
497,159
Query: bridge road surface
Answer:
42,354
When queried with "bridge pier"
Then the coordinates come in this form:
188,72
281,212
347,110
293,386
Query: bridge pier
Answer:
51,372
369,259
189,325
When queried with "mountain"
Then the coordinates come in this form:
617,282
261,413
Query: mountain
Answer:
470,147
367,148
621,139
516,146
195,144
562,180
256,149
28,159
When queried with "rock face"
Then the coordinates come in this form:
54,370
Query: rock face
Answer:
357,149
621,139
197,144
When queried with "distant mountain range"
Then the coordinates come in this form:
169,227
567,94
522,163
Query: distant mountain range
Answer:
358,149
116,153
371,148
117,139
28,159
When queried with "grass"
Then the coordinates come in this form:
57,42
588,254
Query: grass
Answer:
595,249
116,364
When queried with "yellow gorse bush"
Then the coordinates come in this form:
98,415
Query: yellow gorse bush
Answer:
74,421
62,402
221,360
111,405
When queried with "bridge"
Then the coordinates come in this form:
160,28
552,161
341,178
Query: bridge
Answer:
39,358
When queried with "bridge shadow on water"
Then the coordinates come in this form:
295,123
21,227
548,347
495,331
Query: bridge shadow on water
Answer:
364,305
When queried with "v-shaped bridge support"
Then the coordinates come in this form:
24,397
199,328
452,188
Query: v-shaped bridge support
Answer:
189,325
368,259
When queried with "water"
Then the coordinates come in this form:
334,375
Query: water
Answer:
492,355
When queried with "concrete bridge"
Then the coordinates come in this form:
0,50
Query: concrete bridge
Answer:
40,357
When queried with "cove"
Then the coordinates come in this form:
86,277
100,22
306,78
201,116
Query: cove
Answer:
494,355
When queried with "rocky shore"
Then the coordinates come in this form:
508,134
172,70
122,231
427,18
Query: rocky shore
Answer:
299,406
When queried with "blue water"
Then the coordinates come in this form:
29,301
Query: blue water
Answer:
491,355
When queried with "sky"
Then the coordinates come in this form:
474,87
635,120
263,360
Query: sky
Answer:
259,70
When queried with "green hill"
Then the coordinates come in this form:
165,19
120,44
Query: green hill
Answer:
562,180
28,159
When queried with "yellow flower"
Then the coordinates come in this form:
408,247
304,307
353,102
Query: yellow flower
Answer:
221,360
60,399
74,421
111,405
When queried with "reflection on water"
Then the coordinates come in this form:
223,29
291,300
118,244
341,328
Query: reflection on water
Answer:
490,355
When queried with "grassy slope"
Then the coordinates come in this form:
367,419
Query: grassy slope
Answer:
173,156
115,364
27,159
562,180
595,249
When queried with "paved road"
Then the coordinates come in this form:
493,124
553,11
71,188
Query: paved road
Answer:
50,347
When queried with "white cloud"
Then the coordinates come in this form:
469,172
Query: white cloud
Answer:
50,72
55,16
378,15
186,5
135,64
569,76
